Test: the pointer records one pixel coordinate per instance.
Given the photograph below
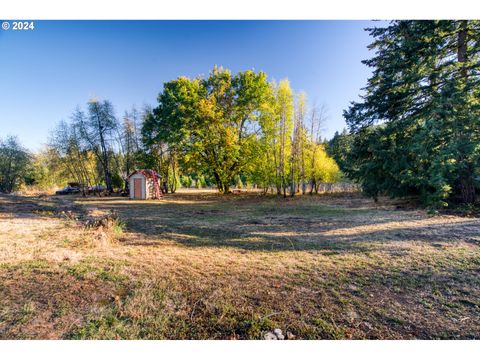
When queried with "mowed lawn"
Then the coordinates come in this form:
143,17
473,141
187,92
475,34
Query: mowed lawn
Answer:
198,265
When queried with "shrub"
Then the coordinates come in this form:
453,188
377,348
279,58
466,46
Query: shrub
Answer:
186,181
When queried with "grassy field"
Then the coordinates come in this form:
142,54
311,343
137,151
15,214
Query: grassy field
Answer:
197,265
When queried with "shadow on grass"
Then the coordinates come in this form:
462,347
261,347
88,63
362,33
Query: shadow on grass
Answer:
264,223
22,207
275,224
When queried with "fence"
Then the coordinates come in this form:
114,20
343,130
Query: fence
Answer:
338,187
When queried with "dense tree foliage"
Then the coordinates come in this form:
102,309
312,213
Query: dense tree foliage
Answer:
76,160
209,123
223,130
339,147
46,170
228,127
424,97
14,164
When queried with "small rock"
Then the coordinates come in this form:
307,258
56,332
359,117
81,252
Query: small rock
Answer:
352,315
367,325
290,336
278,334
352,287
269,336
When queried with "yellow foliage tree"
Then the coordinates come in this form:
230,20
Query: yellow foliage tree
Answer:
322,167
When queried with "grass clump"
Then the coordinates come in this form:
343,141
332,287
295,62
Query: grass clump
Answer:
92,268
254,328
27,312
327,330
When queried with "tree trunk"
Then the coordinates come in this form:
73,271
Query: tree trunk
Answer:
312,186
126,178
108,180
467,188
462,44
173,186
218,181
467,184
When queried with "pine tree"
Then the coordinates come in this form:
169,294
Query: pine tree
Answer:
424,90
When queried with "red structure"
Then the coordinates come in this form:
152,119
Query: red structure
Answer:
145,184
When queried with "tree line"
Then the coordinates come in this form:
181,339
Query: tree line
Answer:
230,126
223,130
415,132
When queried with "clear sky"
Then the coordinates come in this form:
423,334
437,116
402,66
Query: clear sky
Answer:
46,73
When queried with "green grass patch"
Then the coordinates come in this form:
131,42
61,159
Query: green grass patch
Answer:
95,268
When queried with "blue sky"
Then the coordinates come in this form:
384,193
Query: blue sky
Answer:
46,73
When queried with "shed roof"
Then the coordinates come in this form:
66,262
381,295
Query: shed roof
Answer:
152,174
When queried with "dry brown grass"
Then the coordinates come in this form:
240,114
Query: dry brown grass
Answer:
198,265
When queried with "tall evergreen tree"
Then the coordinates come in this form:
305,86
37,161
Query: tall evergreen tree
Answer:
424,90
338,148
14,163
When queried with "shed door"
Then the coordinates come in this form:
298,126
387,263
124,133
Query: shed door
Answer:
137,188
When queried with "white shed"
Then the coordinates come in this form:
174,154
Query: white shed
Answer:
144,184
